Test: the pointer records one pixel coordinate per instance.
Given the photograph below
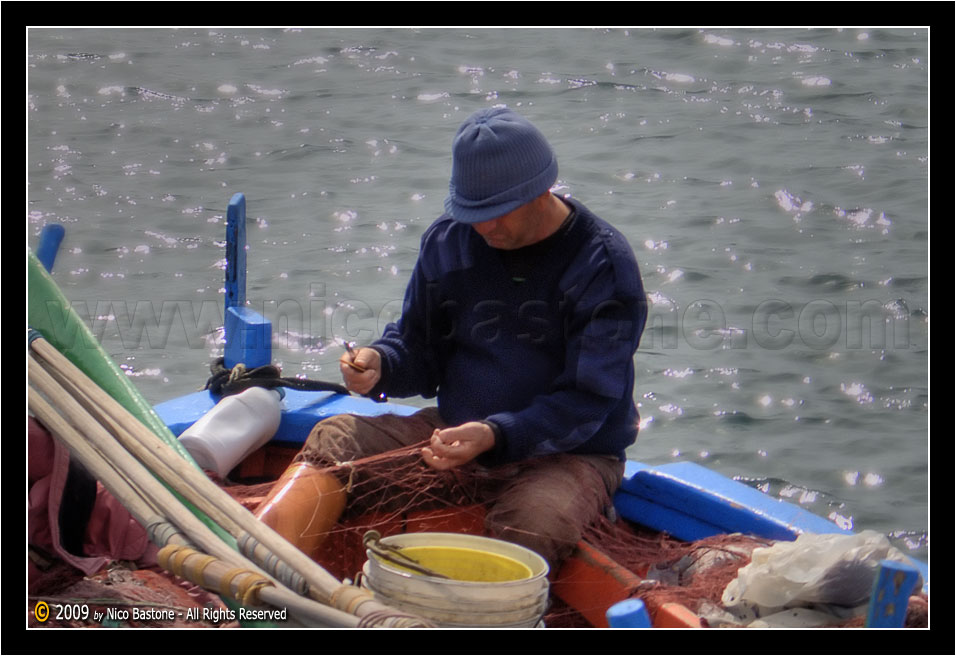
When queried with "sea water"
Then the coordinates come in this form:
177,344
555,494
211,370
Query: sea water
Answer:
772,182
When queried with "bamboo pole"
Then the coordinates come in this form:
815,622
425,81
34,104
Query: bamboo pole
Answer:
142,509
229,573
132,468
249,588
194,485
217,575
157,460
189,482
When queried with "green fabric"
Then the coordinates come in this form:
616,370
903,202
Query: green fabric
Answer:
50,314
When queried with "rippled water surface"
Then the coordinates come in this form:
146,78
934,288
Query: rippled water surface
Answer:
773,183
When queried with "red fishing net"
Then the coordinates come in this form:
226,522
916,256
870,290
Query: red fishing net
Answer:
396,493
121,596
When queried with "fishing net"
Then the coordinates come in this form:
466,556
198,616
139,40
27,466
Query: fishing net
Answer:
122,595
395,492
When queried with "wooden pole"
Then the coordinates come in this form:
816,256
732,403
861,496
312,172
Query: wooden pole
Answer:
123,481
142,509
192,483
198,489
138,475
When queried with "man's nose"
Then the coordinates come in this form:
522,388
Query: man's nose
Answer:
485,227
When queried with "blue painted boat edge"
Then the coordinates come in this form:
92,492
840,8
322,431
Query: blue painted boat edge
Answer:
729,504
301,411
688,500
660,518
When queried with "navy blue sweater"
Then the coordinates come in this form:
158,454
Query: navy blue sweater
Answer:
539,341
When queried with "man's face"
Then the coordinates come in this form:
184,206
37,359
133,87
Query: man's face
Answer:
516,229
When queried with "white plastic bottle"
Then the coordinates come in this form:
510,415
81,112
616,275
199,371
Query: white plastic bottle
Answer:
234,428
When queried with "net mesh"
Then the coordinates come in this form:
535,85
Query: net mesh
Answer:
395,492
122,596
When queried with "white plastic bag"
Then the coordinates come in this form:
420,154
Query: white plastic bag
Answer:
813,569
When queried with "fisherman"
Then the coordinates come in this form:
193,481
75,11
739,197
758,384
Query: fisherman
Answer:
522,315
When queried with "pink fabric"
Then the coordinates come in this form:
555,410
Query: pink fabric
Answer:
111,534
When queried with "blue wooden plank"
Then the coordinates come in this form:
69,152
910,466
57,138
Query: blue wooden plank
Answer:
730,505
301,410
236,252
248,337
631,467
661,518
892,588
304,409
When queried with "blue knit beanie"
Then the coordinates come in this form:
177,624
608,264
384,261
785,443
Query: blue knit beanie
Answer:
500,161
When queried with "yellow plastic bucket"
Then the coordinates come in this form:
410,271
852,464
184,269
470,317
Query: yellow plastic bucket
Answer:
491,583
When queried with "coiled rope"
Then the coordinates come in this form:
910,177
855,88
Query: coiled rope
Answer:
224,382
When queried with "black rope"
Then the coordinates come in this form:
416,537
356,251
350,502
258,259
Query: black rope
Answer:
224,382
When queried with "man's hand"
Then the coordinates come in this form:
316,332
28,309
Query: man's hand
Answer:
363,372
452,447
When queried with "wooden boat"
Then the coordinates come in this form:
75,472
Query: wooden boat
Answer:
679,511
680,507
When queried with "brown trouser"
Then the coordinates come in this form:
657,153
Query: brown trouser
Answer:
543,503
